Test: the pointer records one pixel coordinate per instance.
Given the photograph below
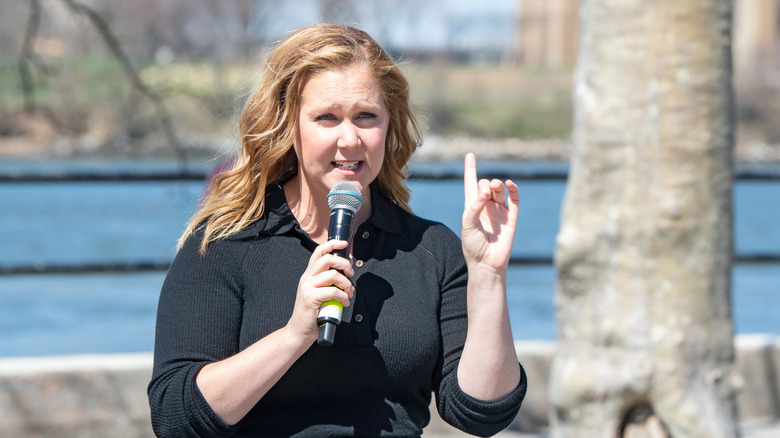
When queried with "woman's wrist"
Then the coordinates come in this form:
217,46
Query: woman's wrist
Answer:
482,275
295,340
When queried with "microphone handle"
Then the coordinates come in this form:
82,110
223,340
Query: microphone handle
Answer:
340,228
342,220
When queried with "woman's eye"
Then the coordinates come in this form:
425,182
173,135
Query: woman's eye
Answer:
366,116
325,117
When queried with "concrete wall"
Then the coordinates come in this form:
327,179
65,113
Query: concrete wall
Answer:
75,396
105,395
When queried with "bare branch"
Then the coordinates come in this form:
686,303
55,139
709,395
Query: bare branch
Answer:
28,59
116,49
27,56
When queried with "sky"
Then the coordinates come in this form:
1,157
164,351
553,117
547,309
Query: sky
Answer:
431,24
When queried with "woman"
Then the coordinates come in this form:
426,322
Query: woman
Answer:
235,351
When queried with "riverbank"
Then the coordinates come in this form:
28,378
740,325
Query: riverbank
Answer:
105,395
35,138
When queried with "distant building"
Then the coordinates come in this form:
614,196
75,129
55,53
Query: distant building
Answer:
756,37
548,31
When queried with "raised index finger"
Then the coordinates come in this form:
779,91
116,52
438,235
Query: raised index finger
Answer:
470,188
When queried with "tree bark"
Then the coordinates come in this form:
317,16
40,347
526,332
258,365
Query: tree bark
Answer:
644,251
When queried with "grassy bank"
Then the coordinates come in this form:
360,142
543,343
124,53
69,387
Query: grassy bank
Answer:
88,106
91,98
492,101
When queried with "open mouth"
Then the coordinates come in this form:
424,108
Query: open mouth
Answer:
350,165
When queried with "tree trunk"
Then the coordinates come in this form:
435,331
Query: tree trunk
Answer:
644,252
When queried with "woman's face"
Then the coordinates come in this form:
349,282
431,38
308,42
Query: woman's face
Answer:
342,126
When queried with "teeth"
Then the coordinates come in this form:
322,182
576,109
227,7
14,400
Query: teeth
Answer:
348,166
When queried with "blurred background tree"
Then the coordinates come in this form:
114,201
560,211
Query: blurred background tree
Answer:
645,248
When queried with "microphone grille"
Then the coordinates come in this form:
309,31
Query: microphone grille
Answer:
345,195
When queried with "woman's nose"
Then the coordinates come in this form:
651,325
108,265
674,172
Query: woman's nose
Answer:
348,136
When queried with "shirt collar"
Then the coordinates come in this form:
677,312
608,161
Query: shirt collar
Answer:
279,219
276,219
384,212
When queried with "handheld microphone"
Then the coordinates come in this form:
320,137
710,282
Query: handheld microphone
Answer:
344,201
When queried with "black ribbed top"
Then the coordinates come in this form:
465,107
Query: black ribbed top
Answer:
398,342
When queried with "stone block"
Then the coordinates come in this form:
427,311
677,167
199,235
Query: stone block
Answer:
758,361
76,396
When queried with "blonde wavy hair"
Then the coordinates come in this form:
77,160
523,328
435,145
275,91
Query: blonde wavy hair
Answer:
236,198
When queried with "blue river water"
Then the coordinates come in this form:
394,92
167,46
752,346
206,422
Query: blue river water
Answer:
104,222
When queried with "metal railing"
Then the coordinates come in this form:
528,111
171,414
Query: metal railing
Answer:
419,171
422,170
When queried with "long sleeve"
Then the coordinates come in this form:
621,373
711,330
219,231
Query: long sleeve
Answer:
464,412
198,322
